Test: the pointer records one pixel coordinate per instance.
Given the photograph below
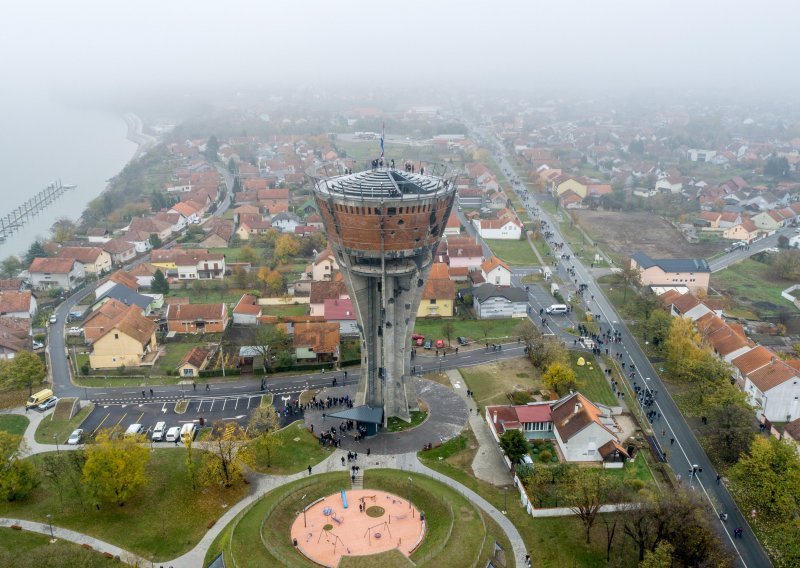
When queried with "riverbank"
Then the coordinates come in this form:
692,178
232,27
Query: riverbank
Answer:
136,135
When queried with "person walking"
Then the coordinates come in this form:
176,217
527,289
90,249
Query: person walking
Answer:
309,470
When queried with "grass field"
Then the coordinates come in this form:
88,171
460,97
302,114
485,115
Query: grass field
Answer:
25,549
61,428
591,381
175,352
518,253
491,382
162,520
299,449
13,424
397,425
287,310
474,330
753,285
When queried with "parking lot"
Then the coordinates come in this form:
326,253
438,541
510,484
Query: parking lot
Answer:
147,412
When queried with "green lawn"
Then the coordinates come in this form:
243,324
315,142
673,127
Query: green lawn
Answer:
162,520
25,549
299,448
207,295
591,381
518,253
391,559
492,382
175,352
394,424
475,330
286,310
59,427
13,424
753,285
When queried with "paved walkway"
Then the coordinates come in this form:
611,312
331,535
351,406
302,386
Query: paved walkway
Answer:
488,464
79,538
35,418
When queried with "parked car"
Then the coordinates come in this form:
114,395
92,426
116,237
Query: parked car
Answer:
134,430
462,340
75,331
38,345
428,344
159,431
75,438
417,339
440,344
49,403
53,318
173,434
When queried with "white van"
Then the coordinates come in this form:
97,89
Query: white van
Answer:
173,434
188,432
134,430
159,431
557,309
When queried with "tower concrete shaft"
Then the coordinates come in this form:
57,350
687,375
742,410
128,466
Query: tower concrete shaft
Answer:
384,226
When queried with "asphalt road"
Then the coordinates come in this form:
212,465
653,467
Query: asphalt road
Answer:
686,451
724,261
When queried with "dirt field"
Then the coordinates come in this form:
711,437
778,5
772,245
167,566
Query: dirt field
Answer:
625,233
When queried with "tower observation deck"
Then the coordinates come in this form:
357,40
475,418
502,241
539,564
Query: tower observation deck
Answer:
384,226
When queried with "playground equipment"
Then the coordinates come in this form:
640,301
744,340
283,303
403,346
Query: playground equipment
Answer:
344,499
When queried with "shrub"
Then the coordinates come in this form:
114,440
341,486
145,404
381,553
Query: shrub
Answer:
545,456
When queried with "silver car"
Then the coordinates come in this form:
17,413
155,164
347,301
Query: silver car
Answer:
75,438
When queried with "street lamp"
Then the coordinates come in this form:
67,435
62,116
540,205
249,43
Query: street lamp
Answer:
50,522
505,496
409,492
302,499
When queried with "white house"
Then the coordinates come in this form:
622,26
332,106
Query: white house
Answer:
584,431
495,271
492,301
286,222
139,239
324,266
247,311
17,304
774,390
509,229
46,273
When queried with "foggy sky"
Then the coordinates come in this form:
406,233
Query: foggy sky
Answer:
569,47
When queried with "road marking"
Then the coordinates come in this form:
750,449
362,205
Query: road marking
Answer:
224,402
237,403
101,423
120,420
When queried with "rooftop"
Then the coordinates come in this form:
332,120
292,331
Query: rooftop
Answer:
381,183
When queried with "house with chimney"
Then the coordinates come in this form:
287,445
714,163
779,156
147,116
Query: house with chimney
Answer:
48,273
129,341
95,260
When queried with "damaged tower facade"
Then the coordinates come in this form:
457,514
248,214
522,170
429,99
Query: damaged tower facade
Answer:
384,226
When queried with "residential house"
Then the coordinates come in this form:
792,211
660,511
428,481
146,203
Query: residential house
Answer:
341,312
710,218
495,271
325,290
774,390
191,211
97,235
14,336
100,320
195,360
219,232
247,311
746,231
534,420
584,431
197,318
671,184
176,220
245,210
490,301
325,264
501,228
693,272
127,342
286,222
252,227
18,304
143,273
564,182
150,227
438,297
11,283
139,239
453,226
118,277
316,342
120,250
46,273
464,252
728,219
768,221
94,259
274,200
125,295
189,264
749,361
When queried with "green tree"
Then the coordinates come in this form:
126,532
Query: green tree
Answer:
269,341
212,148
661,557
776,167
448,329
286,247
11,266
160,284
247,254
274,282
237,185
560,378
115,468
786,264
514,445
588,492
682,349
264,423
657,327
36,250
23,370
263,419
18,477
227,454
63,229
542,351
628,277
158,201
767,479
231,165
734,428
155,241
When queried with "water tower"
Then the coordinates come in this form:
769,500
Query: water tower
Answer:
384,225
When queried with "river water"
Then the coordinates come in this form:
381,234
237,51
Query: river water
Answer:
41,141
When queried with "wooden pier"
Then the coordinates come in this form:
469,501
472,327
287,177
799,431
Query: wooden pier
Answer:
32,207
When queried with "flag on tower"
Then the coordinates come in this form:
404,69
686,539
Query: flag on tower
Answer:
383,132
